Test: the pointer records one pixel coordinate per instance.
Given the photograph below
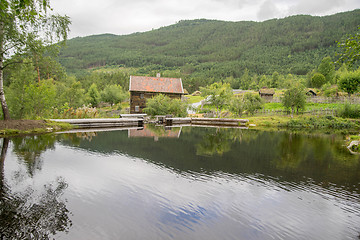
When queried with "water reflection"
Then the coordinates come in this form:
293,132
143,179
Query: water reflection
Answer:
218,143
190,183
29,150
284,156
152,131
31,213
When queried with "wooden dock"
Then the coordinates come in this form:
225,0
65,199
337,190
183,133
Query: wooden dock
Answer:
103,122
139,122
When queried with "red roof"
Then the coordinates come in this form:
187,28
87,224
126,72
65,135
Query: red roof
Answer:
156,84
146,132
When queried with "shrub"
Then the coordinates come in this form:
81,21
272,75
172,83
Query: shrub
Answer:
318,80
252,102
93,95
350,82
294,98
326,122
113,94
69,112
163,105
348,110
249,103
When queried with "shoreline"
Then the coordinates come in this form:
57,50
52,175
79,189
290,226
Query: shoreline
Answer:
304,123
11,128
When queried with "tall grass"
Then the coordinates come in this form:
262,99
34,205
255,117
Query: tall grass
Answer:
348,110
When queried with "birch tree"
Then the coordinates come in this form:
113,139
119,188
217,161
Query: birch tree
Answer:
26,25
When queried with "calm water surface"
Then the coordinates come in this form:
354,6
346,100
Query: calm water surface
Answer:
183,183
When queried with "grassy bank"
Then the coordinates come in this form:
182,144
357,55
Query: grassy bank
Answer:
306,123
25,127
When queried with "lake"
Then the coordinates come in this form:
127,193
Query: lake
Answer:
179,183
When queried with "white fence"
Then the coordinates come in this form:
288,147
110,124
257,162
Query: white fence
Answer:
326,111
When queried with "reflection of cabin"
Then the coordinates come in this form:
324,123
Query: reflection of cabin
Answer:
156,133
267,93
143,88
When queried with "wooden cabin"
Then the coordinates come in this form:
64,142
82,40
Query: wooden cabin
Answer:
142,88
267,93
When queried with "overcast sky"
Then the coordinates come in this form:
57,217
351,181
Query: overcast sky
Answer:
120,17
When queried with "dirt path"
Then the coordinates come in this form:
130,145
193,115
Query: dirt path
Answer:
22,125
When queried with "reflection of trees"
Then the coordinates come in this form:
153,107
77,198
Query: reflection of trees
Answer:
78,137
291,147
30,148
4,148
31,214
21,218
86,135
321,155
160,131
218,142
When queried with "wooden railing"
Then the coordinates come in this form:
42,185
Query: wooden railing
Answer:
353,100
327,111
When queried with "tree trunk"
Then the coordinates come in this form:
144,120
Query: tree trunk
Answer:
2,94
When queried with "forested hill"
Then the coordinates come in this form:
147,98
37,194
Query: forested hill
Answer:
294,45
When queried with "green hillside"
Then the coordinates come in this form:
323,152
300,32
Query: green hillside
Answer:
218,49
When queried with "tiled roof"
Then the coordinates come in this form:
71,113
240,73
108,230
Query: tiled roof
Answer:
156,84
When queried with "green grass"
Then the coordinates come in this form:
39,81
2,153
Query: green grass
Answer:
308,106
50,127
59,126
194,99
305,123
273,106
316,106
354,137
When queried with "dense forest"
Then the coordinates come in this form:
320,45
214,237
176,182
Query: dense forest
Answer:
57,81
218,49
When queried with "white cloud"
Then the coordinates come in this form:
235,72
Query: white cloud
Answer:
128,16
268,10
315,7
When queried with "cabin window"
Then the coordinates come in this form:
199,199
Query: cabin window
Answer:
137,108
141,96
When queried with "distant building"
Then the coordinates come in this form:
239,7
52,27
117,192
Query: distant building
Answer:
239,92
311,92
267,93
143,88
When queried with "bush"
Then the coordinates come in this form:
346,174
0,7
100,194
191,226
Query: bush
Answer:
350,82
249,103
326,122
252,102
113,94
329,90
318,80
93,95
294,98
348,110
163,105
78,113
